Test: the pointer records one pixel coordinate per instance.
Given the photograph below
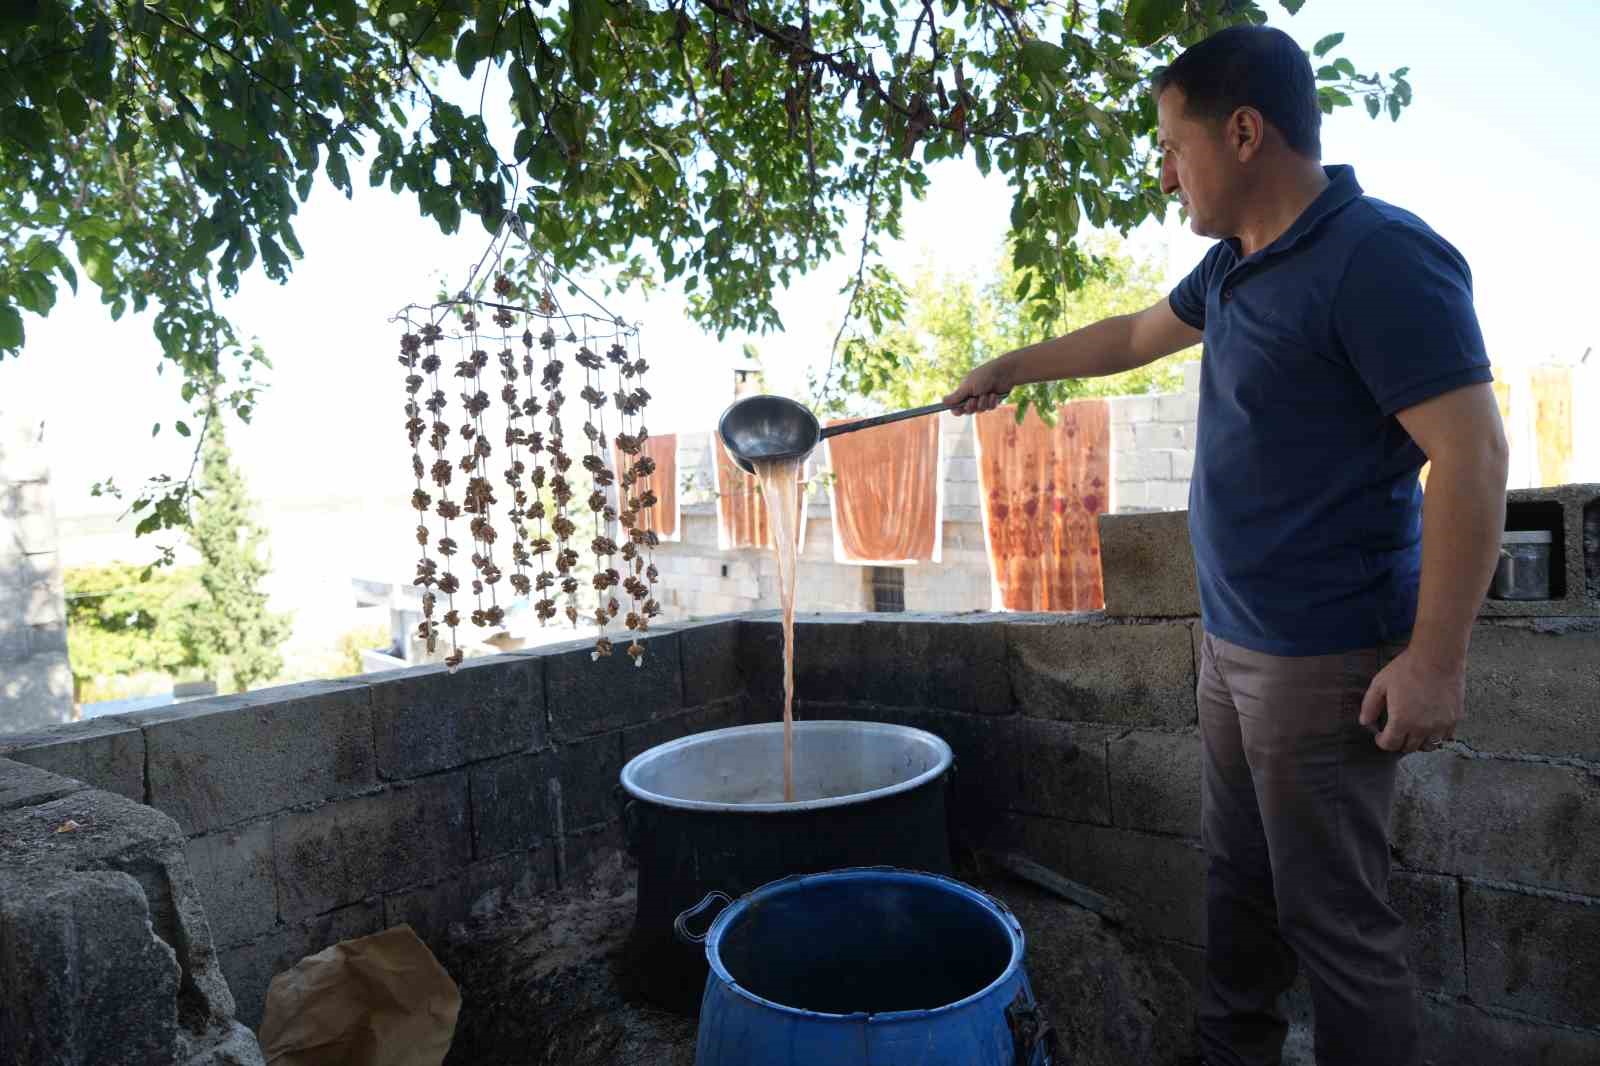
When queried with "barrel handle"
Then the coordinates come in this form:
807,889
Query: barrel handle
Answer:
1030,1031
680,925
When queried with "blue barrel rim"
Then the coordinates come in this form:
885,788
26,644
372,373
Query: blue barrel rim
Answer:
730,913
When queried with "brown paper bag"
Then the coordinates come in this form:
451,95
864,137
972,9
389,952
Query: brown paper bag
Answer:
381,1000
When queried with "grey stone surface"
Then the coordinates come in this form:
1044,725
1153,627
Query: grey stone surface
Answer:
1155,782
1431,906
250,967
711,668
105,753
1534,688
948,662
510,807
216,762
1084,668
1159,879
233,869
426,719
1534,954
1576,555
93,831
1457,1033
1147,565
85,979
29,786
230,1045
1499,819
357,848
35,692
590,696
475,893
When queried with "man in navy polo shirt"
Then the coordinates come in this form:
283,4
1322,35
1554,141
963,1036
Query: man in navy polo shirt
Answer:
1341,352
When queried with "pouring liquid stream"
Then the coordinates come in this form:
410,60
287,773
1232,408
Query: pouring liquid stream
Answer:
780,486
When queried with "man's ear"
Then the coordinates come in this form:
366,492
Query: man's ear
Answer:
1247,131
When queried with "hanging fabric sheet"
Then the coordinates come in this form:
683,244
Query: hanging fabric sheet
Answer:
887,493
741,511
665,517
1042,488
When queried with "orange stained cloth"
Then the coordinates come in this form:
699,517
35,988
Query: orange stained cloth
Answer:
887,493
1042,487
663,517
741,510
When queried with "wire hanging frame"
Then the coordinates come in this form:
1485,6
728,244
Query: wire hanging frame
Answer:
542,482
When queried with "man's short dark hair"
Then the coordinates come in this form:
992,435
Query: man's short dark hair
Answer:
1250,66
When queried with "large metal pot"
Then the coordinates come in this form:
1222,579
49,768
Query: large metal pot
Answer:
706,813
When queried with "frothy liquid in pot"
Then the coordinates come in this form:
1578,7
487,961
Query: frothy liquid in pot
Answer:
780,485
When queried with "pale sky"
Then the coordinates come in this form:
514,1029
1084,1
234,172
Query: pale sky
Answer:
1497,153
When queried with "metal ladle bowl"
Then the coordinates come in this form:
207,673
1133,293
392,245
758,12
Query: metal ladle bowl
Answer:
768,428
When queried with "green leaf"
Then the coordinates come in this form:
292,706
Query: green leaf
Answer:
11,332
182,428
1394,108
1293,6
467,54
1373,107
583,18
1328,73
74,109
155,429
1044,57
1345,67
1151,20
1327,44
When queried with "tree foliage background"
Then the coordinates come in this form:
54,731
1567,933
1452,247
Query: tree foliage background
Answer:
160,148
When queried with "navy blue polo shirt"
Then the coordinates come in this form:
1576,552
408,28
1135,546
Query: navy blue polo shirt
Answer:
1305,509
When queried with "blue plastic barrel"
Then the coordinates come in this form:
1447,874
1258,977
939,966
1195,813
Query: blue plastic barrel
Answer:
867,967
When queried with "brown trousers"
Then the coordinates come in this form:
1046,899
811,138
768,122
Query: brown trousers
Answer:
1295,804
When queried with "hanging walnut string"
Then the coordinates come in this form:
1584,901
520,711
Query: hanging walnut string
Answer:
544,558
439,439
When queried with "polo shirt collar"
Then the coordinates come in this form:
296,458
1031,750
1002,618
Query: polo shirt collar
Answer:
1341,190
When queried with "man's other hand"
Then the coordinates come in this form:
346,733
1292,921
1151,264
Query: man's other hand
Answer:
1424,703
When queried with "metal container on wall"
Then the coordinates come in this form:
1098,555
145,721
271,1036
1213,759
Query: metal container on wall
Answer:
706,813
1523,570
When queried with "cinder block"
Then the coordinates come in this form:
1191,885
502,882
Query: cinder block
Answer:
510,804
1534,954
1129,496
1161,880
1083,668
31,513
1122,439
1457,1033
1148,436
1179,407
588,696
956,663
1145,466
478,891
589,772
1182,463
1497,819
103,752
357,848
1155,782
961,470
213,763
1148,566
1431,906
233,871
35,693
1169,495
1136,408
426,719
1575,561
1534,687
250,967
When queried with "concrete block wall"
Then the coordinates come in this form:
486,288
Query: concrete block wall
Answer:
1152,461
328,810
35,677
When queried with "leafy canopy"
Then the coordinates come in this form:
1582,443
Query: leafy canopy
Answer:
161,147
